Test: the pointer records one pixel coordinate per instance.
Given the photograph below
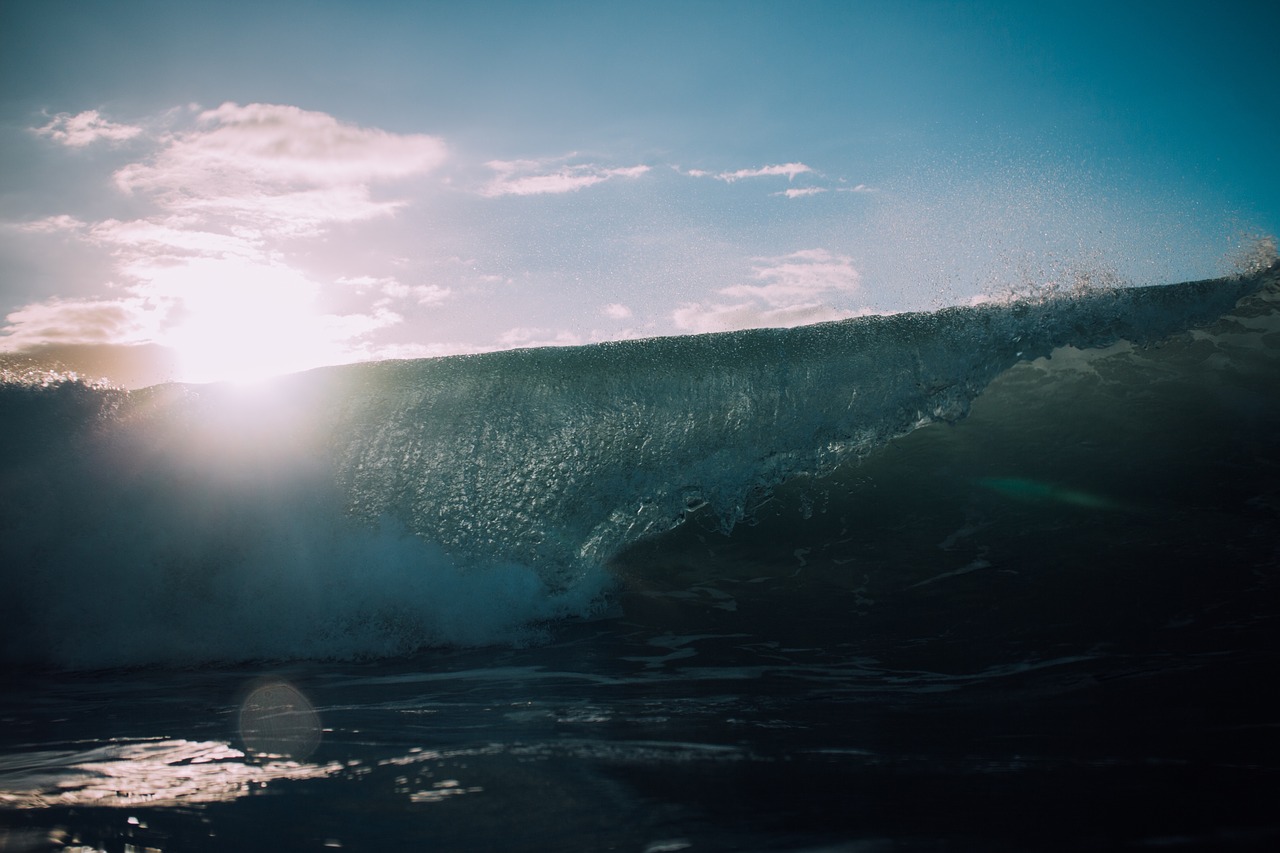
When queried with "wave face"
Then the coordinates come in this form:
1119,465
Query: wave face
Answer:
373,509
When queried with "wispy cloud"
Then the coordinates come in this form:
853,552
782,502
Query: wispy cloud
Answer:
616,311
537,177
784,170
801,192
394,291
86,128
802,287
525,336
365,282
790,170
62,223
799,276
698,318
422,294
159,239
294,213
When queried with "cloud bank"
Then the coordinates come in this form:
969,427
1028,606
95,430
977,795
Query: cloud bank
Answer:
259,237
204,272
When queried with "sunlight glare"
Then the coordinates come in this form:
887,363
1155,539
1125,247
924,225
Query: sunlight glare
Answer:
244,322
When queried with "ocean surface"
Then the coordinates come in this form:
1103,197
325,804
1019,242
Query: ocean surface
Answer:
994,578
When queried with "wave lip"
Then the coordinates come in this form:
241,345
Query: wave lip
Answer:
602,445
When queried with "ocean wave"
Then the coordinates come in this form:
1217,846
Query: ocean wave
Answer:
371,509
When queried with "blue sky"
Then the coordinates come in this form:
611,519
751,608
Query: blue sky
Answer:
267,187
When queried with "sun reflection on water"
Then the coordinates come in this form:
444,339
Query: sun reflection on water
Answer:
160,772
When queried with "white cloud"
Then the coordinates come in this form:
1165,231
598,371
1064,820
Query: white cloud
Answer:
525,336
795,289
364,282
293,213
801,192
280,146
424,350
62,223
616,310
799,277
80,321
860,188
790,170
697,318
537,177
86,128
423,294
154,239
279,168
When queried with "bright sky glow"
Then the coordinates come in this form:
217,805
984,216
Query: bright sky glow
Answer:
399,179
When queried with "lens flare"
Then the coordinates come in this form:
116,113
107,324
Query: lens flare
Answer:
277,720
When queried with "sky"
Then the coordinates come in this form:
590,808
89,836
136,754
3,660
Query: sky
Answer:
243,189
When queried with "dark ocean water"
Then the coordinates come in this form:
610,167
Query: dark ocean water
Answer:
993,578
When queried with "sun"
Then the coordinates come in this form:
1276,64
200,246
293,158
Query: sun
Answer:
245,321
